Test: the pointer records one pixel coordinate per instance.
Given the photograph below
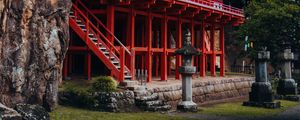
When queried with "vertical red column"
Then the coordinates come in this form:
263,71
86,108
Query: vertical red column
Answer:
213,55
179,45
222,47
203,55
65,73
164,39
110,22
130,41
122,64
149,52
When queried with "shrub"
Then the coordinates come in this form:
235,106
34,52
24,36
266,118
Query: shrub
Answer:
76,95
104,84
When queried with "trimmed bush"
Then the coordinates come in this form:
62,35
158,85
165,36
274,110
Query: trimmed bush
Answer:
104,84
76,95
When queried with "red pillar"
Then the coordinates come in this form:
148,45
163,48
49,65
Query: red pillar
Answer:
88,65
213,55
222,47
65,73
122,64
130,41
203,56
164,39
149,52
110,22
179,45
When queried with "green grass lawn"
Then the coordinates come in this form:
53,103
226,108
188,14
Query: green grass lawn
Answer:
69,113
236,109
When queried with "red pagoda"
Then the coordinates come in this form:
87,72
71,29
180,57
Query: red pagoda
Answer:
117,37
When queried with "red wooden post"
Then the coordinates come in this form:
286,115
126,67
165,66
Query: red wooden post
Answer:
164,39
132,64
122,64
213,55
222,47
130,41
110,20
179,45
149,52
203,56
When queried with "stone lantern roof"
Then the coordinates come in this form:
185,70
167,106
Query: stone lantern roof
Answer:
187,49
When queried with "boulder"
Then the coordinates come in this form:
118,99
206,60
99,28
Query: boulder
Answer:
8,113
32,112
34,37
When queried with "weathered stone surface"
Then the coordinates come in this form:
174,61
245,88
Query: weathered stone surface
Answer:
8,113
34,37
32,112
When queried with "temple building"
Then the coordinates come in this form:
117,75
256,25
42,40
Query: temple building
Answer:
119,37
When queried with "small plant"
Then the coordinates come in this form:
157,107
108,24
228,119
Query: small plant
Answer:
104,84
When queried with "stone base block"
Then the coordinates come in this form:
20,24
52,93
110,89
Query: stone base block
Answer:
129,84
271,105
261,92
187,106
287,87
288,97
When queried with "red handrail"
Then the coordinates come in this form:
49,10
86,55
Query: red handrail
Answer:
93,28
217,5
98,22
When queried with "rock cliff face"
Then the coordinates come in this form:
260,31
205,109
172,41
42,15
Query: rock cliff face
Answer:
34,36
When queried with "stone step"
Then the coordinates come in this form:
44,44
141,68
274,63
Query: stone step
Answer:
152,97
159,108
154,103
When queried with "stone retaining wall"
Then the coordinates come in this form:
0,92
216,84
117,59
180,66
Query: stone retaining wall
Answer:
205,92
114,101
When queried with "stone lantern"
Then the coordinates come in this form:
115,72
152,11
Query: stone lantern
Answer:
187,70
287,85
261,94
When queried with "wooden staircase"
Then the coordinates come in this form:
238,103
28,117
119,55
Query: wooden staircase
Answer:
112,56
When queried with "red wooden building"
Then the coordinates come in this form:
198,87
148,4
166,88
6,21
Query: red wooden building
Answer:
116,37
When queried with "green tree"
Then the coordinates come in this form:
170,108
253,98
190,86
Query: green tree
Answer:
270,23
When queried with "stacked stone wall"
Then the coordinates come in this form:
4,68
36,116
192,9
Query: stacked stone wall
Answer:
205,92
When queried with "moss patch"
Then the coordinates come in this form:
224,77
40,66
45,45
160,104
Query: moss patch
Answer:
236,109
69,113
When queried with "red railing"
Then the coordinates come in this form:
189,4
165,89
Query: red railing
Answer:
118,54
98,23
216,6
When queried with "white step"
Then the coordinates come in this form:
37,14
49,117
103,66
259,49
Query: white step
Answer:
97,43
106,53
93,38
91,34
83,29
102,48
115,62
72,16
81,25
127,77
78,21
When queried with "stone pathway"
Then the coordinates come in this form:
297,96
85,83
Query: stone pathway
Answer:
290,114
